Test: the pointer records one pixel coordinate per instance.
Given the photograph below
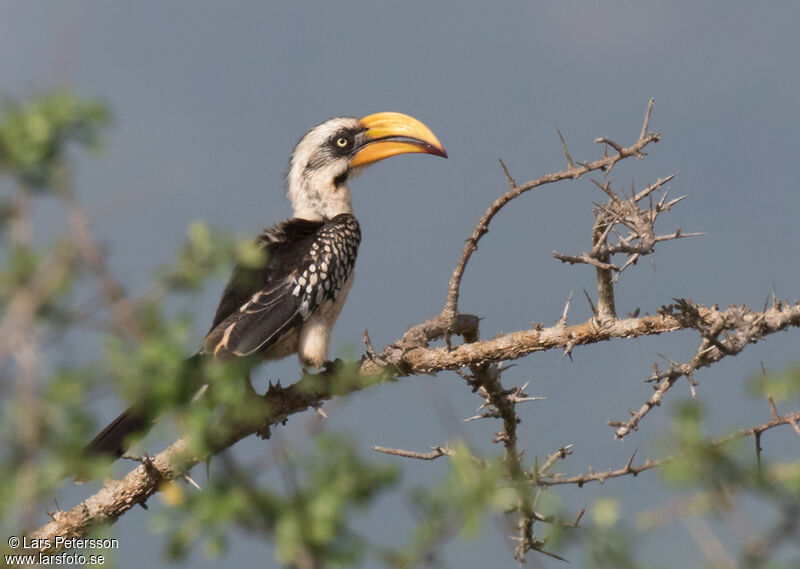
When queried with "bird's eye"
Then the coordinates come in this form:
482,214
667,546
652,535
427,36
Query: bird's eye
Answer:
343,142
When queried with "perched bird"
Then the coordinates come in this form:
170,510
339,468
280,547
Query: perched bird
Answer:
291,303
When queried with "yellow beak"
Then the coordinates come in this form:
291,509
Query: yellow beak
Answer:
390,134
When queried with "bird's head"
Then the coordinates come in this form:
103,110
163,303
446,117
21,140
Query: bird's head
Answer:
333,152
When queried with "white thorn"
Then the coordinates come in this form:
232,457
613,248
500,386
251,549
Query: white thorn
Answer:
524,399
191,481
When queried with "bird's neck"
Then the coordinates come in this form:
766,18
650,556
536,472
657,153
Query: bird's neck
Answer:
318,202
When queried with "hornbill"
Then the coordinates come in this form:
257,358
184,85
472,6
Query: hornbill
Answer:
291,303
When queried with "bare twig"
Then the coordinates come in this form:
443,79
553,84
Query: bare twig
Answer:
586,259
741,326
646,123
640,239
563,320
368,345
570,163
433,454
630,469
572,172
606,310
560,454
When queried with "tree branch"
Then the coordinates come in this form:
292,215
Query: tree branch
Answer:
397,360
740,325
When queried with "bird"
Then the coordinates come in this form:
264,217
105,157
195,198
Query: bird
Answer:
290,304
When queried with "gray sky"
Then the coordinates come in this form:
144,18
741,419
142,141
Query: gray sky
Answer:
209,98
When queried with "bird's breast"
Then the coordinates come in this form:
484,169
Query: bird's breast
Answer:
315,335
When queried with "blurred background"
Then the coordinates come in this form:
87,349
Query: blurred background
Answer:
207,100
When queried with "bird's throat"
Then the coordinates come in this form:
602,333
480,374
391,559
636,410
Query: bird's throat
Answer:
326,202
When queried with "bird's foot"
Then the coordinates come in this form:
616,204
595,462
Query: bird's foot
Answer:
264,432
145,460
332,367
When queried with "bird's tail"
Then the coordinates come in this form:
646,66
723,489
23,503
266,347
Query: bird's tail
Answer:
137,419
115,439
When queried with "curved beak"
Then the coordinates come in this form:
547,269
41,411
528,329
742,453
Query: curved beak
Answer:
390,134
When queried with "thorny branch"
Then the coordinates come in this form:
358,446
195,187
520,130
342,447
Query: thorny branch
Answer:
572,172
539,475
628,214
515,345
545,481
723,333
397,360
484,378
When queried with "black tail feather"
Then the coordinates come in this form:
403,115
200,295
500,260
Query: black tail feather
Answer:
115,439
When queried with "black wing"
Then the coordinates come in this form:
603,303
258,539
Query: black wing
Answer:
307,263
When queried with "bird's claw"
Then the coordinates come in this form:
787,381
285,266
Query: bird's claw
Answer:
264,432
332,367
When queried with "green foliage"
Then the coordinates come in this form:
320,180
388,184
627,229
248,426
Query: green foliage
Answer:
206,252
43,421
20,267
721,473
308,519
784,386
314,516
716,465
35,134
472,490
698,460
471,487
61,426
149,372
608,543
